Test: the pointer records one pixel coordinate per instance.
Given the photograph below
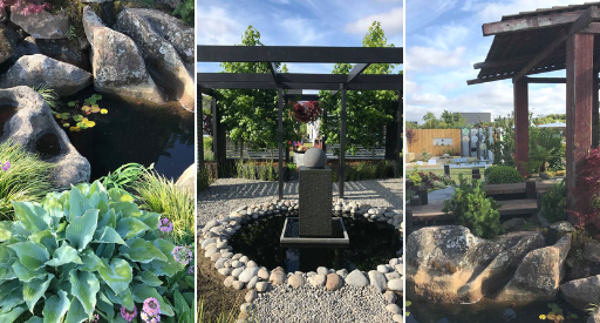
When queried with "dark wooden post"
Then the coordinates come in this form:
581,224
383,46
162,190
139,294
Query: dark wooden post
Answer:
580,96
399,135
342,142
200,122
595,107
280,138
521,100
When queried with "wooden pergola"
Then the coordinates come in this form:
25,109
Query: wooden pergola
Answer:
295,84
542,41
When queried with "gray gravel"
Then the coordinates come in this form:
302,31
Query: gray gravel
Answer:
228,194
309,304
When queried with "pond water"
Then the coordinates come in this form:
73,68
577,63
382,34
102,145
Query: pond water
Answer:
135,132
488,312
371,244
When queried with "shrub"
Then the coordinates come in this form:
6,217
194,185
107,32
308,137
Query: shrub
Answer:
499,174
159,194
253,170
25,178
473,209
185,10
587,192
554,203
89,253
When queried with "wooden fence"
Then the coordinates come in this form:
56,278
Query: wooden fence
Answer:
436,141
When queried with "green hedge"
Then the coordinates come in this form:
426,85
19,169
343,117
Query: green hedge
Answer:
366,170
502,174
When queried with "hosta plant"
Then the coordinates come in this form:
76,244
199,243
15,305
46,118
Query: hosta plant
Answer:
89,254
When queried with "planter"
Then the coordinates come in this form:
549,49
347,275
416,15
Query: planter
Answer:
423,196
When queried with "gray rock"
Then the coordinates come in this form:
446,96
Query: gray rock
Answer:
118,66
322,270
277,276
252,283
318,280
581,292
296,280
357,278
263,274
224,271
377,280
35,70
594,317
342,272
591,251
33,125
398,318
251,264
149,28
228,281
514,223
248,274
395,309
390,297
8,43
261,286
63,50
42,25
334,282
237,272
562,227
250,296
237,285
383,269
396,285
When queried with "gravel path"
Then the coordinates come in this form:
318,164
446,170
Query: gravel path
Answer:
228,194
306,304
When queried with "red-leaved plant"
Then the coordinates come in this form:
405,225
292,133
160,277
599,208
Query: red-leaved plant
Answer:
24,7
306,112
588,192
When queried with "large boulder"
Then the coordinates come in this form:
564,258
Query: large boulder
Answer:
166,44
42,25
187,180
539,274
581,292
32,125
33,70
447,264
64,51
118,66
8,43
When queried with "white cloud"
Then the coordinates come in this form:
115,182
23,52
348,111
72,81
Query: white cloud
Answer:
426,58
280,1
494,11
217,26
392,22
301,32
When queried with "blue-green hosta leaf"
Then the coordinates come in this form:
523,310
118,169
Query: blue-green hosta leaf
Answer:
108,219
108,235
129,227
106,305
35,289
105,250
76,312
91,262
11,315
56,307
85,286
142,251
11,294
81,229
124,298
117,275
33,217
55,210
32,255
6,271
5,230
151,219
127,209
78,203
148,278
120,195
64,255
35,319
25,274
141,292
180,304
45,238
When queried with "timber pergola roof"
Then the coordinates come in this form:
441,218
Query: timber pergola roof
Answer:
542,41
295,83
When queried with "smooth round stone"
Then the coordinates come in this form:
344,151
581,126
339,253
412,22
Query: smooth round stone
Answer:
224,271
334,282
247,275
237,272
399,268
246,308
252,282
207,242
263,274
395,309
390,297
226,254
250,296
342,272
261,286
220,263
318,280
383,269
357,278
396,285
235,263
393,262
277,277
215,256
237,285
228,281
315,158
244,259
236,256
296,280
392,275
398,318
377,280
210,252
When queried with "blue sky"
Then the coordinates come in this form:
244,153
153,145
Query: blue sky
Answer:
296,23
443,41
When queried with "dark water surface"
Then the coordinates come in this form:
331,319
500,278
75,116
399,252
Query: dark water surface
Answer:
371,244
136,132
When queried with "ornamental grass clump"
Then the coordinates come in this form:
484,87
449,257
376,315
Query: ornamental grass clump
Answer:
85,254
23,177
473,209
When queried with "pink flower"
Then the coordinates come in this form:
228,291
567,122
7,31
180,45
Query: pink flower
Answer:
151,306
6,166
182,254
128,315
165,225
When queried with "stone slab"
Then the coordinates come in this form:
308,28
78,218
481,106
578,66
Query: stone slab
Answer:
315,191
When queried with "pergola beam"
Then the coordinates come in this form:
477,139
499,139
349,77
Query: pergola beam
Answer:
299,54
530,23
298,78
304,86
584,20
356,70
506,76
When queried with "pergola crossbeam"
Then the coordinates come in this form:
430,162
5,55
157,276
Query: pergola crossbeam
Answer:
356,70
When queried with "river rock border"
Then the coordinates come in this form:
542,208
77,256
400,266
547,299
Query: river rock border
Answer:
240,271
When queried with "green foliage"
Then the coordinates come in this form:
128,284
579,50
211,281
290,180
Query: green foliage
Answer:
49,95
208,153
254,170
71,33
554,203
88,251
503,145
448,120
159,194
77,120
365,170
252,115
28,178
546,149
124,176
185,11
415,178
474,210
367,111
557,314
204,178
499,174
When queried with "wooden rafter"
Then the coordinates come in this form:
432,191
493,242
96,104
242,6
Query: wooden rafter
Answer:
531,23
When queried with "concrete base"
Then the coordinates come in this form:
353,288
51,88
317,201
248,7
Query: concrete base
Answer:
289,235
315,190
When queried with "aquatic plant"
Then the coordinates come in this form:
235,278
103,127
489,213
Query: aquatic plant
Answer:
556,314
24,177
80,120
124,176
84,252
159,194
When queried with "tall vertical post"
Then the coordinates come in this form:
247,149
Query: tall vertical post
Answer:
595,107
342,142
200,122
280,137
218,136
398,135
580,96
521,99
